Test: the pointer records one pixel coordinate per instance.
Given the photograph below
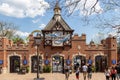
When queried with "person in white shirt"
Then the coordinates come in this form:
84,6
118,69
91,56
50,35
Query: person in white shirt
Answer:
107,73
84,69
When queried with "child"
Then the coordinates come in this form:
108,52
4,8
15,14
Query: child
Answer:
77,73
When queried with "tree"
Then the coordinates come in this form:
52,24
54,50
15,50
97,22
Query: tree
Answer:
89,6
17,40
7,29
98,8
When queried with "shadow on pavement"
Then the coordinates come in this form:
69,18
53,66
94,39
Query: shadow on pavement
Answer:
39,79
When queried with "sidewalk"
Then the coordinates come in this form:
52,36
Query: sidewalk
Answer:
47,76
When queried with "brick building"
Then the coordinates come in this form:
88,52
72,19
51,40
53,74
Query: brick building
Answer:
58,47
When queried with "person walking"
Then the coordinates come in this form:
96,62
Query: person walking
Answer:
107,73
118,71
89,72
66,70
77,73
84,69
113,73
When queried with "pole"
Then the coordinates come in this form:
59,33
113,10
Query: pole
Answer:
37,62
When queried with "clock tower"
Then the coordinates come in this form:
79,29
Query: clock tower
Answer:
57,32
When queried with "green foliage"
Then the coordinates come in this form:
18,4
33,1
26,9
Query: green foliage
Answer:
27,69
47,68
18,40
93,69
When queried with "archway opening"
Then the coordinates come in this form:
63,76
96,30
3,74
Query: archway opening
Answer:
79,61
57,63
14,64
100,63
34,64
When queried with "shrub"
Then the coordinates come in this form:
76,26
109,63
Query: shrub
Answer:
93,69
27,69
47,68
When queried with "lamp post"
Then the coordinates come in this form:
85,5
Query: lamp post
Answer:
37,43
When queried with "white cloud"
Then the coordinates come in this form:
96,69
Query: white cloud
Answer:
98,37
23,8
22,34
35,21
88,6
42,26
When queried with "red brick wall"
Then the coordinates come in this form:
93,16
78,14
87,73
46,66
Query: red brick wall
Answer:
85,49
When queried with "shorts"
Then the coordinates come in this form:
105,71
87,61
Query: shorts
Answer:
84,74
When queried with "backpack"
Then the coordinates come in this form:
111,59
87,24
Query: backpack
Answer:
113,72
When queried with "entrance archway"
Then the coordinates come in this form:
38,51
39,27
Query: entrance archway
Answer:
79,61
57,63
100,63
34,64
14,64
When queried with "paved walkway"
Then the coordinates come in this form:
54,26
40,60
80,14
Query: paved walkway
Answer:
47,76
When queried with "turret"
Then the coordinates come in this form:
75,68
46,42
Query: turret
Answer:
57,12
57,9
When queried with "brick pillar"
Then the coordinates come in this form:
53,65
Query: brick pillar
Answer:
113,57
4,56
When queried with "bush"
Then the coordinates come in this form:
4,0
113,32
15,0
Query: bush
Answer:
27,69
47,69
93,69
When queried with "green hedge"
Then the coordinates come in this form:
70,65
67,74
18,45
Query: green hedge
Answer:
47,69
93,69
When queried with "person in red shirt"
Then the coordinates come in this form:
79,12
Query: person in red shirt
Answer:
113,73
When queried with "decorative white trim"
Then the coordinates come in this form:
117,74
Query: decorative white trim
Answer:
13,54
98,54
57,54
78,54
35,54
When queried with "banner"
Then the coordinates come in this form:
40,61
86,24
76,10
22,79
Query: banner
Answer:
68,62
24,62
1,62
113,61
89,61
46,62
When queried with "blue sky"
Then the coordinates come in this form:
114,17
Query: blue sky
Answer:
30,16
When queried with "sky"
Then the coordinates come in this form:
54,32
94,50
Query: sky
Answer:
32,15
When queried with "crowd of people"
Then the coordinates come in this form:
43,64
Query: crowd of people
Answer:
111,73
86,70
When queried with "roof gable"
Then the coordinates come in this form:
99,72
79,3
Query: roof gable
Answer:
53,21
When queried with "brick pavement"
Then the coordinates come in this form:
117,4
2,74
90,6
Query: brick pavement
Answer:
47,76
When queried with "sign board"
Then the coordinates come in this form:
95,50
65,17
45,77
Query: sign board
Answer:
1,62
89,61
113,61
47,62
24,62
68,62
